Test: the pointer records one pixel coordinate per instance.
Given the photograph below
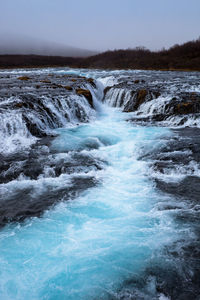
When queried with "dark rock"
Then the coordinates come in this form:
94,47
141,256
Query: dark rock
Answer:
139,97
91,81
183,104
106,90
55,85
69,88
45,81
33,127
19,105
189,186
87,94
24,78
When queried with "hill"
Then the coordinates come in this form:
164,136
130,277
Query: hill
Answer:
18,45
178,57
185,56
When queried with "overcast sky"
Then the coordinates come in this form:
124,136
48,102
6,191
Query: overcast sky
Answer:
102,24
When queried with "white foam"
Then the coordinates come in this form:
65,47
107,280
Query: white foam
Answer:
94,243
14,134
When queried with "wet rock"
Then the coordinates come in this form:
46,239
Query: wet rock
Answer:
25,78
179,153
19,105
87,94
33,127
69,88
55,85
45,81
91,81
31,206
139,97
185,188
106,90
24,202
187,108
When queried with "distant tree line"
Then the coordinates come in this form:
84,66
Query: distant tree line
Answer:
185,57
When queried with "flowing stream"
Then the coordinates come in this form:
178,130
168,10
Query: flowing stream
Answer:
107,237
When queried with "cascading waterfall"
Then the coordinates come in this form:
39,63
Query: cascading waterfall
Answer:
174,103
13,132
25,117
106,232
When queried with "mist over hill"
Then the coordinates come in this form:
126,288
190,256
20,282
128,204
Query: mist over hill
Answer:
13,45
185,57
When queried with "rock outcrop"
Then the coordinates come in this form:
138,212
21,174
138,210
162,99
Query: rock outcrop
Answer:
139,97
39,105
87,94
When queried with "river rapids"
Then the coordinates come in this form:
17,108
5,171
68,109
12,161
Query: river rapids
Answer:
97,200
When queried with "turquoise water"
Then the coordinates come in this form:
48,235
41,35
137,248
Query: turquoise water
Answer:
86,248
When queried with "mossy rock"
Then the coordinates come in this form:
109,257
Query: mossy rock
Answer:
190,104
45,81
91,81
87,94
55,85
19,105
141,95
24,105
106,90
25,78
69,88
184,108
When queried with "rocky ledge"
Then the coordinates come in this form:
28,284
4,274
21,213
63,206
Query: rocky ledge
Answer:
44,101
154,99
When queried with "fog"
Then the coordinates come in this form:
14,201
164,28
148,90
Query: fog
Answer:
60,26
16,44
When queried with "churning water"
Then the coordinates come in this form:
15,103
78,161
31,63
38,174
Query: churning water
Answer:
107,241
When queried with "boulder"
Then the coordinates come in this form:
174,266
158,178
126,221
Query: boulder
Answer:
87,94
91,81
187,108
106,90
139,97
45,81
33,127
25,78
67,87
18,105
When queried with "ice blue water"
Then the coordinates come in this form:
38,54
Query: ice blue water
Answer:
86,248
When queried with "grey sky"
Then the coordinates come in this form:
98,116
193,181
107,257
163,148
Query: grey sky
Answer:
102,25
